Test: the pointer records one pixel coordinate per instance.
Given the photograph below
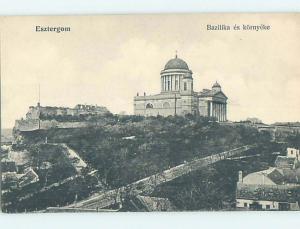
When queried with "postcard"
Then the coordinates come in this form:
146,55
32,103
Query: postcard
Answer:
150,112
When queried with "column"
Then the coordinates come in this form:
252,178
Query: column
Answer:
223,118
224,106
221,112
218,111
225,112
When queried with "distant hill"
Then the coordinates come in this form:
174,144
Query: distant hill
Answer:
6,135
295,124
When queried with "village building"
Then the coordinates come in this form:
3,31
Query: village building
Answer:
8,165
290,161
293,153
19,180
28,177
277,188
177,96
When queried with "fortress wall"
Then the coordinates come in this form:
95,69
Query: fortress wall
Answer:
27,125
33,124
73,124
47,124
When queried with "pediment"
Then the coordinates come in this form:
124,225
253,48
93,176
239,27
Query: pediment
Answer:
220,95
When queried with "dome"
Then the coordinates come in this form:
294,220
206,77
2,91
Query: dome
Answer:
216,84
176,63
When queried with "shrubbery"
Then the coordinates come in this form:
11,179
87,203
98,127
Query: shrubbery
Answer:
159,143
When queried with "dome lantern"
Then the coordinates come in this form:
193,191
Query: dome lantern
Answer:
216,86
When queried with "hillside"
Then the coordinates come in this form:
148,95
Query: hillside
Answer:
128,148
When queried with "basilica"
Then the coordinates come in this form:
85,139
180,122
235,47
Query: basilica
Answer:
177,96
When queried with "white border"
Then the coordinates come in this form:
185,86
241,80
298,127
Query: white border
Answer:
148,220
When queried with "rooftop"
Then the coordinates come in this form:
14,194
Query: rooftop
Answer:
176,63
285,162
282,193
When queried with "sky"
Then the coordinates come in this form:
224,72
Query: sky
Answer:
106,60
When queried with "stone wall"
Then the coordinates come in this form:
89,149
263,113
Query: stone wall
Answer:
35,124
165,105
27,125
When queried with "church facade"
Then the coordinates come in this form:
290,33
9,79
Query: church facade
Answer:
177,96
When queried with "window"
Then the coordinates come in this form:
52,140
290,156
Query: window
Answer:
166,105
149,106
185,86
268,207
245,205
169,85
176,85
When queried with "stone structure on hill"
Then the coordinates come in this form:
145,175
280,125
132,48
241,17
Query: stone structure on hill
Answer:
40,117
177,96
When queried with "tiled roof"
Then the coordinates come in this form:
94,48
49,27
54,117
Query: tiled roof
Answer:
259,178
285,162
275,175
209,93
291,175
29,177
280,193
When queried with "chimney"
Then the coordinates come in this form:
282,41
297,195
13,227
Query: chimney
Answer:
240,177
137,94
144,93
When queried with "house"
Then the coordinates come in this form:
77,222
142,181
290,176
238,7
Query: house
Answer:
267,190
267,197
276,188
293,153
285,162
8,165
9,180
271,176
28,177
21,159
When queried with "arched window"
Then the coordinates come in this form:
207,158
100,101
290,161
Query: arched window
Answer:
166,105
149,106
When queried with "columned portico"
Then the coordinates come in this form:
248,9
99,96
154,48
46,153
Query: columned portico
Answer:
217,110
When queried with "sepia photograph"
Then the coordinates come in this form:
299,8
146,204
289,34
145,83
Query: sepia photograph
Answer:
150,113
